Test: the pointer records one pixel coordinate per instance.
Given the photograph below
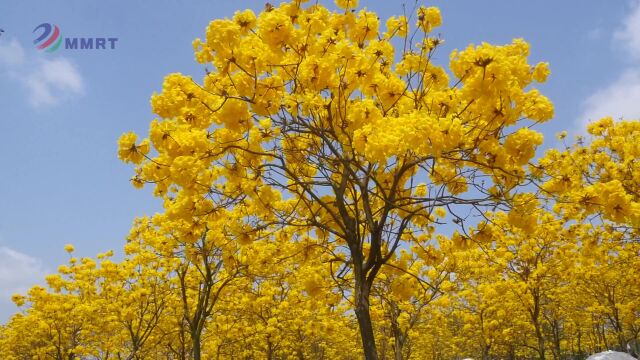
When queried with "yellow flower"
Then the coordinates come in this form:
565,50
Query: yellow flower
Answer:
541,72
429,18
265,123
347,4
561,135
18,299
396,26
275,27
137,182
245,19
69,248
128,151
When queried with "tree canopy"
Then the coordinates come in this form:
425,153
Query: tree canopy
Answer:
331,192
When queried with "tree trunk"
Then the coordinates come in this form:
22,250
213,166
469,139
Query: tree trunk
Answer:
557,353
541,349
196,348
364,320
485,346
535,319
398,335
398,347
485,351
579,342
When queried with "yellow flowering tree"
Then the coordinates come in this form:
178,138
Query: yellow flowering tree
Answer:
200,264
606,279
532,264
306,120
598,178
410,282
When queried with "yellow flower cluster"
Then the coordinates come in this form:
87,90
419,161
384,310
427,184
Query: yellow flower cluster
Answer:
600,177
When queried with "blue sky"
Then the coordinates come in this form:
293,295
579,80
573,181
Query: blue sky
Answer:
61,113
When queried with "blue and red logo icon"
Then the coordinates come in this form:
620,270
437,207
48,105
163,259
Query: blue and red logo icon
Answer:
50,39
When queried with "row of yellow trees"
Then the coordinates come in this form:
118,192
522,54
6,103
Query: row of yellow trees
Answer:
560,292
330,192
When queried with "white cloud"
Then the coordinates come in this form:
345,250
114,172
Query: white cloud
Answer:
47,81
621,98
629,35
53,81
18,272
11,53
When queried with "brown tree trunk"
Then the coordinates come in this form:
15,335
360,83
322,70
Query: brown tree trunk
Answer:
364,319
196,348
